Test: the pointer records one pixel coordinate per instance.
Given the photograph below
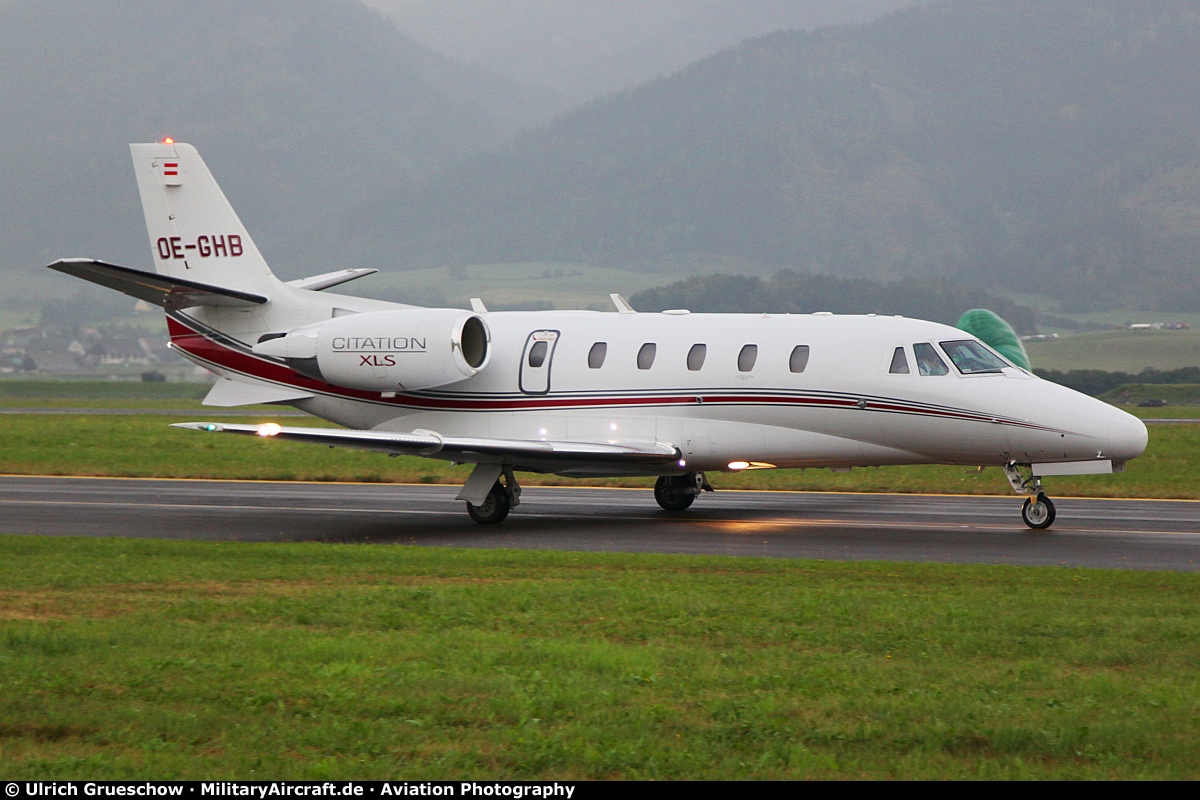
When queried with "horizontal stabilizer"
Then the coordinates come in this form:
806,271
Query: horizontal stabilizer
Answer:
454,448
318,282
227,393
162,290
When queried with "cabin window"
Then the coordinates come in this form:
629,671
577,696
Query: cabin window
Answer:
798,361
899,362
972,358
695,359
537,354
747,357
597,355
928,361
645,359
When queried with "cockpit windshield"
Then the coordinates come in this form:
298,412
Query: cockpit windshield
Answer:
972,358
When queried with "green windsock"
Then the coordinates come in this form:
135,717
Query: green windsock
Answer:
989,328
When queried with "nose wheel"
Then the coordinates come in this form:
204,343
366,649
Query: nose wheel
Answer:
1038,512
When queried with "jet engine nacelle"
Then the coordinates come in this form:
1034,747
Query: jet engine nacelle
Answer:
386,351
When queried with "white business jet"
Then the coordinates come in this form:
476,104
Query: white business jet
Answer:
587,393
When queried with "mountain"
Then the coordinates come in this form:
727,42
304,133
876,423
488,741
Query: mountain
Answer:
297,105
583,48
1048,146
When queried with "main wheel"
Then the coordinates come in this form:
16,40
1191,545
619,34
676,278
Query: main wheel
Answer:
1038,512
673,493
494,509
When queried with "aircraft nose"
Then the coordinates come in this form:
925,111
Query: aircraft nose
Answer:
1127,436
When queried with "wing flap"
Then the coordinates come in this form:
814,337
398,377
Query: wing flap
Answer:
162,290
458,448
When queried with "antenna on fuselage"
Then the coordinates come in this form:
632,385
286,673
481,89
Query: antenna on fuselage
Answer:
622,304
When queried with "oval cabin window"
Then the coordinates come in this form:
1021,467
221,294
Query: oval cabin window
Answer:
597,355
747,357
798,361
645,359
695,359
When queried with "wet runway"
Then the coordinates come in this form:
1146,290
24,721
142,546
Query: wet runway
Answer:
1129,534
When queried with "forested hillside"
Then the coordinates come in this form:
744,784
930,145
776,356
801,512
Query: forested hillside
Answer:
1051,146
299,106
788,292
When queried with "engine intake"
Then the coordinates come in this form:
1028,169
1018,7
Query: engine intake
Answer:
386,351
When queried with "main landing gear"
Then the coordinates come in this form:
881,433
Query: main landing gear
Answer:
490,506
1037,511
678,492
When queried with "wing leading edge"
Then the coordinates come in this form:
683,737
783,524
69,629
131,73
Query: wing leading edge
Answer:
535,455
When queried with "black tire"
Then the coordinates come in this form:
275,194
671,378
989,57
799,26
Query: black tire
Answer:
1038,513
494,509
674,493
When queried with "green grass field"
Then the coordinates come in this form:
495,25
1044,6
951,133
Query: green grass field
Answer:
139,659
145,446
1118,351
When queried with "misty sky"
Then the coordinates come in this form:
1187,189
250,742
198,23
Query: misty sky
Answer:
580,48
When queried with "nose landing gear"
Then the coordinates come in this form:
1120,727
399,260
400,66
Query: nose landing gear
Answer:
678,492
1037,512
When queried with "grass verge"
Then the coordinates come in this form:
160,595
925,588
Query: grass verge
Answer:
131,659
144,446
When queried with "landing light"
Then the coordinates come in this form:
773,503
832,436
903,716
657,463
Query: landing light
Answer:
738,466
270,429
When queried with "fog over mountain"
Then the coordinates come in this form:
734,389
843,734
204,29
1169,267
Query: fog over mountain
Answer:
299,106
1051,147
1048,146
582,48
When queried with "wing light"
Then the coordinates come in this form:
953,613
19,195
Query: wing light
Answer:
739,465
270,429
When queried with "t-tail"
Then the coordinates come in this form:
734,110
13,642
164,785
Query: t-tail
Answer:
195,235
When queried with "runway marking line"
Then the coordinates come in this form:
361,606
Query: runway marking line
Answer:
590,488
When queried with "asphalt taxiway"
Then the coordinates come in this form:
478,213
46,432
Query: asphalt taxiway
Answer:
1129,534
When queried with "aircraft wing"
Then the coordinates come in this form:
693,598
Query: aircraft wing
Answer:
162,290
530,454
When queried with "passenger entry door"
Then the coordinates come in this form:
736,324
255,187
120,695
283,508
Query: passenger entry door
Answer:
535,362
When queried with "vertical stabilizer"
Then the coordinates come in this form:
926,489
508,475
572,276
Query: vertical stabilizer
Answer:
194,232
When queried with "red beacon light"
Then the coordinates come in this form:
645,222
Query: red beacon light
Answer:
168,140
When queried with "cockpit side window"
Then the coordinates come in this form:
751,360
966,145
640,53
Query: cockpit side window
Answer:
972,358
899,362
928,361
